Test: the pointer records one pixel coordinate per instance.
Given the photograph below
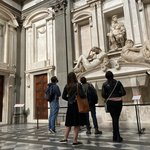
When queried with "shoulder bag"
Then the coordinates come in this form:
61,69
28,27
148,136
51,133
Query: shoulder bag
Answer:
83,105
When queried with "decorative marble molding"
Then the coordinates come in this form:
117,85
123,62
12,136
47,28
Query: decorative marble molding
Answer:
9,16
45,13
60,5
79,17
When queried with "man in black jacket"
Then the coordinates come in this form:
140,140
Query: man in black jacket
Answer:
92,99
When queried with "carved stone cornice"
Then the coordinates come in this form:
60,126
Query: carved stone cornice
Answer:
144,1
90,1
60,5
94,3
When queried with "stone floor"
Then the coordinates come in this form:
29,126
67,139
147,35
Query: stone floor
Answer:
28,137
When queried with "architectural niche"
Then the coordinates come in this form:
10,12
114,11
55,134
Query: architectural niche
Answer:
39,27
82,24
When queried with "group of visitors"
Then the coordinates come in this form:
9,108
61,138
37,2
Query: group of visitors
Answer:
76,119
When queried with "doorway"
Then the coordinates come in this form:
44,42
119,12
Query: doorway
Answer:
41,105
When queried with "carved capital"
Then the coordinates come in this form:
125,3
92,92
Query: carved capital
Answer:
60,5
99,3
139,0
140,4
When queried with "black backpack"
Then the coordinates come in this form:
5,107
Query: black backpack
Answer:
49,93
92,95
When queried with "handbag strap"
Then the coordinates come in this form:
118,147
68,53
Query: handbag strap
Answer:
77,88
111,92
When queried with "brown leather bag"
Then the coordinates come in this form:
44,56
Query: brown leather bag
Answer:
83,105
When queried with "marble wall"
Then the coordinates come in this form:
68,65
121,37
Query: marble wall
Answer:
54,36
8,48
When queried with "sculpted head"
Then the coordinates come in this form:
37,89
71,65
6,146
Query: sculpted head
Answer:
95,49
114,18
129,42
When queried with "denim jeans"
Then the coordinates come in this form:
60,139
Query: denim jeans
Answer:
54,109
93,114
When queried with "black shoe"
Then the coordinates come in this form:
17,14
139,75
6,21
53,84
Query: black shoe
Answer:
88,132
98,132
119,139
63,141
78,143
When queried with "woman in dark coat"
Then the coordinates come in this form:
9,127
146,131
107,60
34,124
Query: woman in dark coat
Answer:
73,117
114,102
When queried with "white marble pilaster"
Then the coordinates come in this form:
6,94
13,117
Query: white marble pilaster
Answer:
5,43
142,21
28,48
12,43
101,33
76,32
50,45
135,22
93,25
127,16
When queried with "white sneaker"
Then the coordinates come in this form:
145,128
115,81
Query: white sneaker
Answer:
52,131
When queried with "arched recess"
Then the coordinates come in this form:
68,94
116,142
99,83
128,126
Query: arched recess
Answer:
39,27
7,16
82,23
38,15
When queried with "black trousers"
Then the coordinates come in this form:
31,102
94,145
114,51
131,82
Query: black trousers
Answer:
115,107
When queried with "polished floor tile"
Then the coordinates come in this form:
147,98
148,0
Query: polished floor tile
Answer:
28,137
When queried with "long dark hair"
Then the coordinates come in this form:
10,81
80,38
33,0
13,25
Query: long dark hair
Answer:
71,78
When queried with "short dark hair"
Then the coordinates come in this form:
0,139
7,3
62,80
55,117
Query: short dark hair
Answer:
54,79
109,75
83,80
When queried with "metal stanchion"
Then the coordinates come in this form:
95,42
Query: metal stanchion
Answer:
37,116
140,130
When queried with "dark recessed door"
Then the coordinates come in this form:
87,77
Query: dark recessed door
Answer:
41,105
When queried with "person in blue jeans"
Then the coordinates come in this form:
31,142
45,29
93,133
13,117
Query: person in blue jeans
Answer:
92,101
54,104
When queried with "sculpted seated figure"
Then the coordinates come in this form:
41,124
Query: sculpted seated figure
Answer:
117,34
130,53
95,58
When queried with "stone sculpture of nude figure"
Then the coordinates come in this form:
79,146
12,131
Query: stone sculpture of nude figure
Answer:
130,53
95,58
